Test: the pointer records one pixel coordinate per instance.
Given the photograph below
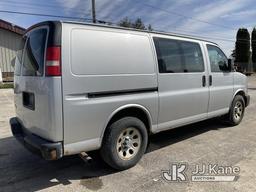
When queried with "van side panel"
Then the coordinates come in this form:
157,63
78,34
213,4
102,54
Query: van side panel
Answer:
110,53
103,70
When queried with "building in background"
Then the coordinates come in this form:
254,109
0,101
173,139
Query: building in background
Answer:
10,37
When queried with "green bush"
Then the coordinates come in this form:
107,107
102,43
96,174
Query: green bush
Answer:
6,86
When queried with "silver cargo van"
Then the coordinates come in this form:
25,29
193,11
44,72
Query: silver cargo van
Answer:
83,87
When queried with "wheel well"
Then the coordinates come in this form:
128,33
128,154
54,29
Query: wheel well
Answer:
242,93
132,112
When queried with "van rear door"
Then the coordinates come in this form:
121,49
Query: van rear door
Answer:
38,97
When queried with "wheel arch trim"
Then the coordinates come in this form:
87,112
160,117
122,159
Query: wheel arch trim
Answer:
127,106
235,93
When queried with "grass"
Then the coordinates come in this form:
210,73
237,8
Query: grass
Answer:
6,85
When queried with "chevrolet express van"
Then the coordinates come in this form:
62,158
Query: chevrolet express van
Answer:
84,87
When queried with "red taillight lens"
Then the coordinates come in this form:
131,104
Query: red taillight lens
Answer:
53,65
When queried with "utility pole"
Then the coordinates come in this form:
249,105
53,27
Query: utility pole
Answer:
93,12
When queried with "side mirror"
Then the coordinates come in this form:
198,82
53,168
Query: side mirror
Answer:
225,67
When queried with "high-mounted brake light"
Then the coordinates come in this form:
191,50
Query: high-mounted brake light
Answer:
53,63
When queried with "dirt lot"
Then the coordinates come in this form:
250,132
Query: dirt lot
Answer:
205,142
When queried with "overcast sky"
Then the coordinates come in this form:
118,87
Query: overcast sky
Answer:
216,20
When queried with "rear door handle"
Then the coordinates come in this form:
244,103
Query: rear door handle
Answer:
203,80
210,80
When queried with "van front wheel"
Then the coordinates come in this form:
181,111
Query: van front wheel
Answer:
124,143
236,112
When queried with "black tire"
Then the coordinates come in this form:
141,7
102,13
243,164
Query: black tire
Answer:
110,152
232,118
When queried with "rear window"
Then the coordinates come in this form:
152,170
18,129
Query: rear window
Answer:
19,54
34,53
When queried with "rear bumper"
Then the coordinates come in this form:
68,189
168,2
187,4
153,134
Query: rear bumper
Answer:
46,149
247,102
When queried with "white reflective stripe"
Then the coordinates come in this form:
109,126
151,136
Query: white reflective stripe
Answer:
52,63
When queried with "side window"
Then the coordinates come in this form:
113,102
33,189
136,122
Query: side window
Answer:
34,52
218,59
175,56
168,55
193,58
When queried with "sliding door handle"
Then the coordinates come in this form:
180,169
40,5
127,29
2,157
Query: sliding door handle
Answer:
203,80
210,80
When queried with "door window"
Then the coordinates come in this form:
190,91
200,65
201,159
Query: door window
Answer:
168,55
218,59
175,56
193,58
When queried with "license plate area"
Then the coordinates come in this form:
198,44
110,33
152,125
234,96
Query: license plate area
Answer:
28,100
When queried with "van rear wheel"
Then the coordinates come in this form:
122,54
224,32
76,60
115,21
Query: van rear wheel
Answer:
236,112
124,143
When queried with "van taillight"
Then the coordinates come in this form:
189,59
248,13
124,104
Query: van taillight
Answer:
53,65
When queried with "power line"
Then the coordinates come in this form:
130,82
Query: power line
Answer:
45,15
33,7
145,4
107,22
148,5
218,37
188,17
174,31
94,17
191,33
38,4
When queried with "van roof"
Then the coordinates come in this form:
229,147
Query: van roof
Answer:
139,30
123,28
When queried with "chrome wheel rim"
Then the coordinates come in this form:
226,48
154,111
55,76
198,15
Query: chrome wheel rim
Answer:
128,143
238,111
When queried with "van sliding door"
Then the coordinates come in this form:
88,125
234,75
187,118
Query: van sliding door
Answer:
183,93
